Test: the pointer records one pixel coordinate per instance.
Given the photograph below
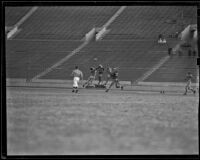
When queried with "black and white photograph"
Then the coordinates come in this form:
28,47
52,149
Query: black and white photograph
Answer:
101,79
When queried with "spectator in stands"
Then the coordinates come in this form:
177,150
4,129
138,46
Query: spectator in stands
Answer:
77,75
161,39
189,78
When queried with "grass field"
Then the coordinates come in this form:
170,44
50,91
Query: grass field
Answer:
56,121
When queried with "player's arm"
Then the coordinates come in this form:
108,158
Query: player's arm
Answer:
81,75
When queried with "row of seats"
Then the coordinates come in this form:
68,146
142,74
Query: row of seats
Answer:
14,14
70,23
25,59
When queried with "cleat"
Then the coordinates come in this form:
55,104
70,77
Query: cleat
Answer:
122,87
76,91
185,94
107,90
72,90
194,91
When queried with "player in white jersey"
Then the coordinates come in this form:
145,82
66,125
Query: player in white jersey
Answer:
77,74
189,78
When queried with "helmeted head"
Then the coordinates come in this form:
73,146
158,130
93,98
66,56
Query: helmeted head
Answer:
100,66
91,68
76,67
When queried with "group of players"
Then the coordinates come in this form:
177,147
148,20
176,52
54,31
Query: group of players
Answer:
111,74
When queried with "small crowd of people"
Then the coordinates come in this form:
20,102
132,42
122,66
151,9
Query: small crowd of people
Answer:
111,74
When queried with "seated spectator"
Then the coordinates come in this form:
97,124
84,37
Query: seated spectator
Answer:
161,39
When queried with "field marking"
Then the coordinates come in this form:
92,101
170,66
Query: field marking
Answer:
152,70
59,62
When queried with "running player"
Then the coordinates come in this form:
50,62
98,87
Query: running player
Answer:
100,70
109,71
189,78
77,74
115,80
91,77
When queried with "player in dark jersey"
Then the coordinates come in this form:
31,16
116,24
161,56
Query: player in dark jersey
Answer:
108,76
100,70
189,78
91,77
114,76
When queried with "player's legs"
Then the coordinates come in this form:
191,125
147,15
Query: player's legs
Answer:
188,87
112,83
75,84
100,79
86,83
118,85
191,89
108,78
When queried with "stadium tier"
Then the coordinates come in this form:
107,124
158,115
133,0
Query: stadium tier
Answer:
25,59
141,22
175,69
71,23
51,33
14,14
133,58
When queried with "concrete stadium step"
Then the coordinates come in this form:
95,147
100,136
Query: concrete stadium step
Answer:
175,70
25,60
131,57
145,22
65,22
14,14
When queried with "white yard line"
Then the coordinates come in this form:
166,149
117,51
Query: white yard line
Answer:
77,49
153,69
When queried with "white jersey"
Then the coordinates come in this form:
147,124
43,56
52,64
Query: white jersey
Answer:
77,73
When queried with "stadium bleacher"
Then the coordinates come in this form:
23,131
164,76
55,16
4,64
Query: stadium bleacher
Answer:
123,54
131,43
14,14
175,70
69,23
25,59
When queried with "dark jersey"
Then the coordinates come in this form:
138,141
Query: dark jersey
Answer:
100,70
93,72
189,77
114,75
